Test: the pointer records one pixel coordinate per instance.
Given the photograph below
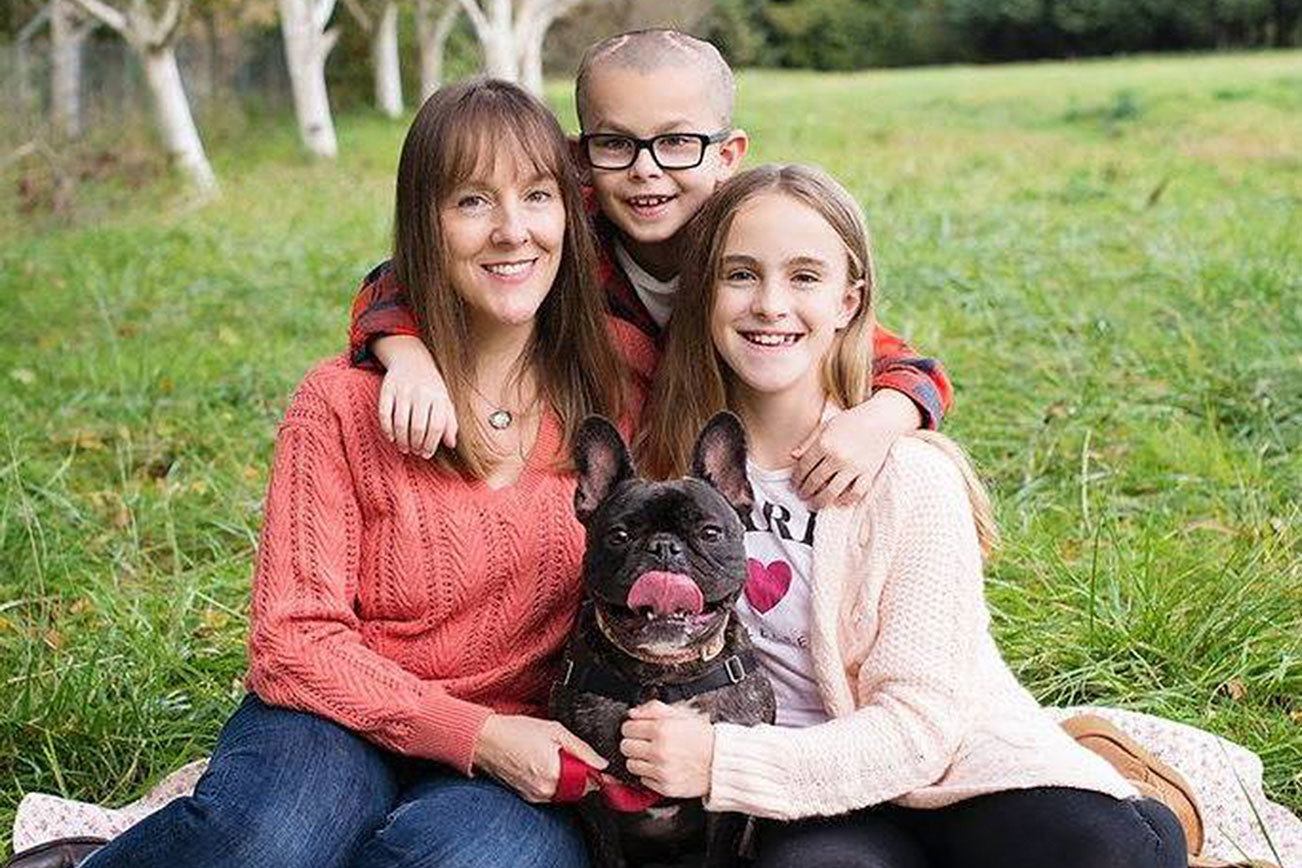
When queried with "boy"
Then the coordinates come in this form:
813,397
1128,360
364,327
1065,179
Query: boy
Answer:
655,110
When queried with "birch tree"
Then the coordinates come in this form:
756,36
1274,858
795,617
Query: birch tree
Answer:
511,34
153,39
68,32
308,41
382,30
435,20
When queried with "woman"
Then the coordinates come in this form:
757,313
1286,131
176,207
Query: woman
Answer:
406,615
903,739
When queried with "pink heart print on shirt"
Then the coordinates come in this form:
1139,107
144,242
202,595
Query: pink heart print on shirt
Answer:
766,585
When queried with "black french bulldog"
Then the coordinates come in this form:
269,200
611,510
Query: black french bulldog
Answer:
664,564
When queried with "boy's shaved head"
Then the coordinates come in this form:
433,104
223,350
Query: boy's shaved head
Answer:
646,51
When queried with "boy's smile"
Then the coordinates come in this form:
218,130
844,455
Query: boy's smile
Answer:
648,204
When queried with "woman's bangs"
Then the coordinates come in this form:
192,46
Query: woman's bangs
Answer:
488,132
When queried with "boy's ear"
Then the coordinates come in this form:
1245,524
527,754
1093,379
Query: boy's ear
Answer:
602,461
719,458
580,160
731,152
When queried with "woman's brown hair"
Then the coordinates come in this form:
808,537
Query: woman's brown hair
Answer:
457,132
693,382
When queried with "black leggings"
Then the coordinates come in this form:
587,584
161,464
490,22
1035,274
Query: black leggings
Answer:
1046,827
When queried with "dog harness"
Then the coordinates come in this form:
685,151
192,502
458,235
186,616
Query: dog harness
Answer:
589,675
586,674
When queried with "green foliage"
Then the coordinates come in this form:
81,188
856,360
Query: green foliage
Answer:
1105,255
856,34
737,28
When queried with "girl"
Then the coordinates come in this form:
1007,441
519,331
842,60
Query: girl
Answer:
902,738
406,615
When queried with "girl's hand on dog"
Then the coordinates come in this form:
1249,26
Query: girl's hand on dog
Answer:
524,753
670,747
416,412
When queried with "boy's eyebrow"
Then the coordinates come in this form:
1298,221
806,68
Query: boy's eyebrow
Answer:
677,125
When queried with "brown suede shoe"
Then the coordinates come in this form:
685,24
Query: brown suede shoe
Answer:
59,853
1153,778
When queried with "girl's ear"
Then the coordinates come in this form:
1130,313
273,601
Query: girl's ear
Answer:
851,301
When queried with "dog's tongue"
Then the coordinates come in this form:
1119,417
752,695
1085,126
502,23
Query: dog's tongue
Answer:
666,593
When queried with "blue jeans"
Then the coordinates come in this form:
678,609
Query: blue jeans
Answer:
285,789
1031,828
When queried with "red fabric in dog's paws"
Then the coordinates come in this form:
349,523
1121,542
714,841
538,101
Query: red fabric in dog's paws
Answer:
617,795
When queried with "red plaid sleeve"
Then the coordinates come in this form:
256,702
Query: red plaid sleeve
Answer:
896,365
380,308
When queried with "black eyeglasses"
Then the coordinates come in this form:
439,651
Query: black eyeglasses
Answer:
669,150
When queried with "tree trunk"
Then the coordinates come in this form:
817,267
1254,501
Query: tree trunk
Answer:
500,59
66,39
531,56
432,34
306,46
174,119
384,62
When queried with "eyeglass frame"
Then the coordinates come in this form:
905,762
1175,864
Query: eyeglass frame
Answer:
648,145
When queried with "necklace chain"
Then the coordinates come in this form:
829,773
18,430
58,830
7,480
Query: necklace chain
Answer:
501,417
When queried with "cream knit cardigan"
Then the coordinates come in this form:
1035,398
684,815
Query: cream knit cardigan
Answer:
924,710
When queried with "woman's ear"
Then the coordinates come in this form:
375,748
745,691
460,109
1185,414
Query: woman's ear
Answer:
851,301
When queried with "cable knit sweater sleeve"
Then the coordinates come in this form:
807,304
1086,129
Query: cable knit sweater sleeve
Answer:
305,648
913,690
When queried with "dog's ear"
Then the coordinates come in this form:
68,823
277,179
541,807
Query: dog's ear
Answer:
720,459
602,461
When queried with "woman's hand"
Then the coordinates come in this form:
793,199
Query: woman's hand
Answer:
838,462
523,753
416,412
670,747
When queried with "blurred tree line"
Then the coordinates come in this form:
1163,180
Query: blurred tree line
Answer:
817,34
853,34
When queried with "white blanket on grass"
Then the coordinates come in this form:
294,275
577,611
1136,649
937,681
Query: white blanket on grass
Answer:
1240,821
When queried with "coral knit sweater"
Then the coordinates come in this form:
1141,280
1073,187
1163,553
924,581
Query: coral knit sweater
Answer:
405,603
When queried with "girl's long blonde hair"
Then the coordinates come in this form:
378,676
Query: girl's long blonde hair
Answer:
693,382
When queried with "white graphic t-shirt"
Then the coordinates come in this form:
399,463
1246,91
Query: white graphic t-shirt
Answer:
775,605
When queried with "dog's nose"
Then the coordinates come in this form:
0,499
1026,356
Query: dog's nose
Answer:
665,546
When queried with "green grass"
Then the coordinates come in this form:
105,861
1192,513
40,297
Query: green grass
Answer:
1104,254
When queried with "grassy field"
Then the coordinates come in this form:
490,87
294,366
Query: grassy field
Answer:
1106,255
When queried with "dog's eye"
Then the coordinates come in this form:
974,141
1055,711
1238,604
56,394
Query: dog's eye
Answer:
617,537
711,532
